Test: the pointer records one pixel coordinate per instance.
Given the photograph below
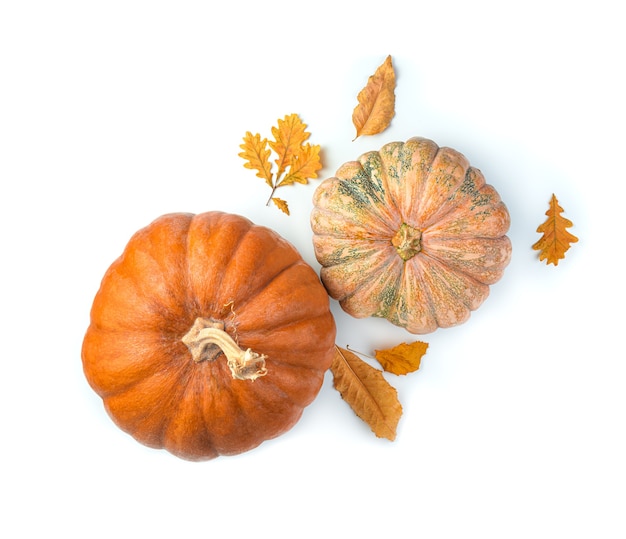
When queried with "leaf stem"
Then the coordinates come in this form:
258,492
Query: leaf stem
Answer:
271,196
275,186
358,352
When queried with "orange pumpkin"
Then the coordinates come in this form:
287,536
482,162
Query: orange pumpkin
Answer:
208,335
411,233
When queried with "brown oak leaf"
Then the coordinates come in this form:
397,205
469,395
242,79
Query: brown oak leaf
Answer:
377,101
556,239
367,392
403,358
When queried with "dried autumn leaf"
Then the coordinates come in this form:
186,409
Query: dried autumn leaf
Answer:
367,392
377,101
288,137
296,161
303,165
257,156
403,358
556,239
281,205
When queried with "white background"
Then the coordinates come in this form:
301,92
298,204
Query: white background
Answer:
112,113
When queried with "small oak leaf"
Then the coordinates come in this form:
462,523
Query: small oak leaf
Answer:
257,156
367,392
377,101
403,358
304,164
281,205
556,240
288,137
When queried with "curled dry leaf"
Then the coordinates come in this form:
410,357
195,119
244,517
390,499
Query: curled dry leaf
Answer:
556,239
377,101
403,358
367,392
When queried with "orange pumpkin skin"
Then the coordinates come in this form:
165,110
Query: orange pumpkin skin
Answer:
246,280
411,233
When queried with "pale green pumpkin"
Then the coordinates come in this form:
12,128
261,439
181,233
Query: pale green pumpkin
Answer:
411,233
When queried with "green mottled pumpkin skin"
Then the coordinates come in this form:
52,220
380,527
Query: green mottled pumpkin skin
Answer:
411,233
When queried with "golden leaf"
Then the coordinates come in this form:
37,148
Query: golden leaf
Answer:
257,155
304,164
377,101
367,392
403,358
281,205
297,162
288,137
556,239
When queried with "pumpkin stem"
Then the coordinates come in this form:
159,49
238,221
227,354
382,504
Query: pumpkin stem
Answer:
407,241
206,333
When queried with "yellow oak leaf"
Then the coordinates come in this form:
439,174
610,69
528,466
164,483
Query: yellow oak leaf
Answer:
296,161
281,205
377,101
367,392
556,239
304,164
403,358
257,156
289,135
